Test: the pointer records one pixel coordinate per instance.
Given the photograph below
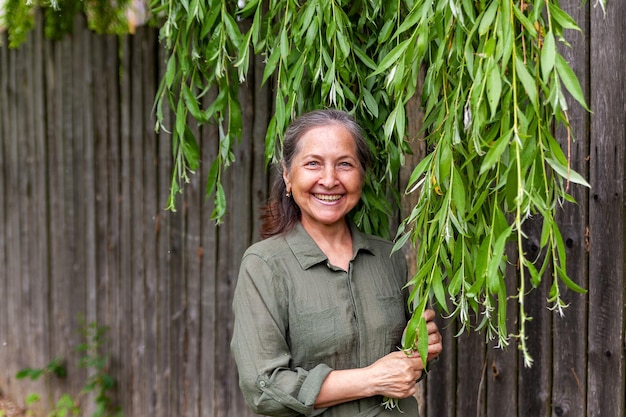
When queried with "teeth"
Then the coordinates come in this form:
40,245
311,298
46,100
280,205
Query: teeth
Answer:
325,197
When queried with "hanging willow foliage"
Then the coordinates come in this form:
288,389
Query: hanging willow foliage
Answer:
104,16
493,94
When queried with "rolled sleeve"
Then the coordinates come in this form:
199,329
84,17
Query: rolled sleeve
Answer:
269,384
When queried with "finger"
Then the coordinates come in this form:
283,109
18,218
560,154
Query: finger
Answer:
429,314
434,338
432,327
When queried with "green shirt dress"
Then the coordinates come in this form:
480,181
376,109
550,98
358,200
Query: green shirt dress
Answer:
297,318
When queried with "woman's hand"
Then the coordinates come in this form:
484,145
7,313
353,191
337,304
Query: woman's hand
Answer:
392,376
434,337
395,374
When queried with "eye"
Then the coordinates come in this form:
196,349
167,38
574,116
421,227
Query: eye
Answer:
311,164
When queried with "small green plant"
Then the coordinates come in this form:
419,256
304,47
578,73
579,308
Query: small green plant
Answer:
98,383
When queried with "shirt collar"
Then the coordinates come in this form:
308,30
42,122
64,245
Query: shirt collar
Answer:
308,253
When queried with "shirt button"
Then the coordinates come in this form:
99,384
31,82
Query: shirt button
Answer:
262,384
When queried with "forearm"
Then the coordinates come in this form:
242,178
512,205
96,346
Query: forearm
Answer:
393,375
343,386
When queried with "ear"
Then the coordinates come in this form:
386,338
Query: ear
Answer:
286,176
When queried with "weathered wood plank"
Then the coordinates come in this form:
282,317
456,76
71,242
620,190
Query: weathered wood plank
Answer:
151,208
5,357
61,204
139,222
193,254
570,331
164,383
73,88
110,293
208,372
534,381
23,183
606,213
37,215
125,319
12,223
471,373
501,374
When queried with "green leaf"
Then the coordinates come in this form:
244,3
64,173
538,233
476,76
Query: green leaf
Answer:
494,89
488,18
369,63
370,102
525,21
213,177
422,341
418,171
567,173
220,204
191,150
270,65
562,18
496,259
527,81
192,104
391,58
495,152
438,290
548,56
569,283
570,81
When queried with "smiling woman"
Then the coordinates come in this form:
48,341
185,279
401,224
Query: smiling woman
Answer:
320,307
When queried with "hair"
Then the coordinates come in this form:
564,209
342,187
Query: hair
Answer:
281,213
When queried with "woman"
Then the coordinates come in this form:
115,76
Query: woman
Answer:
319,306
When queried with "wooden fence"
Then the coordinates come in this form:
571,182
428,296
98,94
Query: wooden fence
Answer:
84,179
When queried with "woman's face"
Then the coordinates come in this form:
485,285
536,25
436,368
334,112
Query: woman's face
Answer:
325,177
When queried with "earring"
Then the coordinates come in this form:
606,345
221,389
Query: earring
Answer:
288,194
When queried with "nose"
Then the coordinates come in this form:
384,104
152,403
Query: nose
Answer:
329,177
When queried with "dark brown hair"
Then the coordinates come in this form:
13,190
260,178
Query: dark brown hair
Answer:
281,213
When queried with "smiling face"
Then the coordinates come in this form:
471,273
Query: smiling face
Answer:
325,177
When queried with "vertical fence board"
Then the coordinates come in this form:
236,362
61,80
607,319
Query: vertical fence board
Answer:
606,211
151,208
502,367
471,373
193,210
4,192
138,222
164,391
125,320
23,183
25,180
534,384
74,138
11,227
210,280
111,307
569,349
35,251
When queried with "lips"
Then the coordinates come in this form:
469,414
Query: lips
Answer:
327,197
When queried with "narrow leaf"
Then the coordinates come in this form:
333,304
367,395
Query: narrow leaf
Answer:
548,56
570,81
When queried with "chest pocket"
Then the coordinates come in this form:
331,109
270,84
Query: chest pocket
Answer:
320,337
392,320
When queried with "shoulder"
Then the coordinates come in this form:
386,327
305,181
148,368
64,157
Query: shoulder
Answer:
267,249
